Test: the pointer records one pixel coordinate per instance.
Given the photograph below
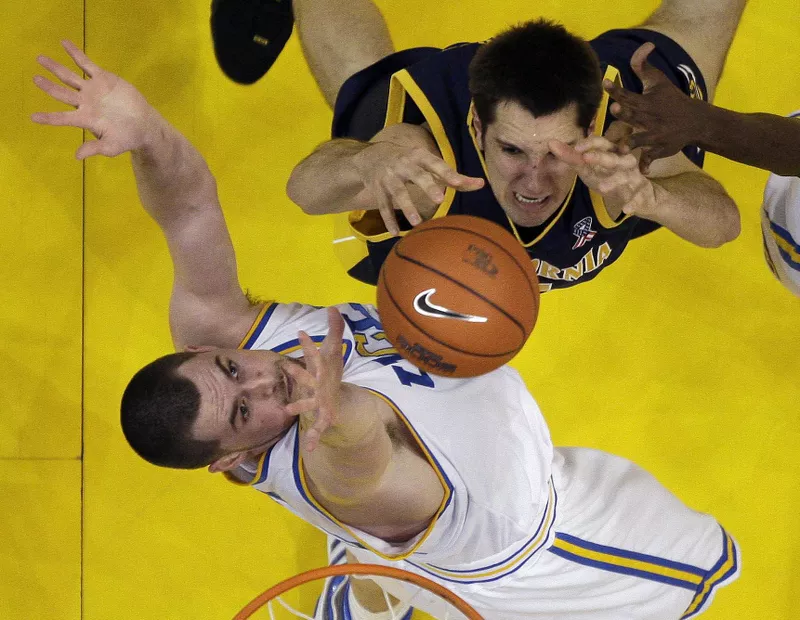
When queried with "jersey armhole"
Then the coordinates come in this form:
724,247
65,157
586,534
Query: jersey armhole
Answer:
598,204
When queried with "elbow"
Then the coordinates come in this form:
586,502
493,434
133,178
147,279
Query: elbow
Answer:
298,193
732,223
730,226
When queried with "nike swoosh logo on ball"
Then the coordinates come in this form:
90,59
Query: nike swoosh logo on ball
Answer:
423,305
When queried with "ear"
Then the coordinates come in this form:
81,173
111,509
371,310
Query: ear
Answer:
191,348
228,462
477,126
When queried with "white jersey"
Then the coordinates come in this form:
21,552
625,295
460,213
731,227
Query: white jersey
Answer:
524,532
780,223
485,438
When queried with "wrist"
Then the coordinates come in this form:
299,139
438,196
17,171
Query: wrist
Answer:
153,131
706,119
358,155
651,203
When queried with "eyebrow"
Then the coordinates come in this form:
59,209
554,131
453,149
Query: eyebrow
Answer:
504,143
235,409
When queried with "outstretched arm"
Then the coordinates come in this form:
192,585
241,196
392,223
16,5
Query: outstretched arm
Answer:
669,120
399,169
350,440
677,194
345,443
175,187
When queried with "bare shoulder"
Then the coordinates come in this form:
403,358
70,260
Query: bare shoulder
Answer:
218,322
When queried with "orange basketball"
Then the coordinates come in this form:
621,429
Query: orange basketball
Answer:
458,296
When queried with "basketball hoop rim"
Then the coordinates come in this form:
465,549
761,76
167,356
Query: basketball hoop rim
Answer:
375,570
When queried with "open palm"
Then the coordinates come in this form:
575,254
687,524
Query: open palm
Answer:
105,104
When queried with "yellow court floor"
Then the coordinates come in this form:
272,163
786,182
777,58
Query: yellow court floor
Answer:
681,359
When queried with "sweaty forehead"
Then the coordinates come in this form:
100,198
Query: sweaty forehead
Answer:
516,125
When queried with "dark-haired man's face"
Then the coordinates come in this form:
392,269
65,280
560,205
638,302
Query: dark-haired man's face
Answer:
528,181
243,397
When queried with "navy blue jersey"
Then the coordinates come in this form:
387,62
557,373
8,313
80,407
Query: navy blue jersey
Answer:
580,239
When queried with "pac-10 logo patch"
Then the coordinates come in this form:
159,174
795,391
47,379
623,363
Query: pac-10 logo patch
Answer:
583,231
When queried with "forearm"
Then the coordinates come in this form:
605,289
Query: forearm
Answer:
696,208
327,181
357,424
172,177
762,140
179,192
355,450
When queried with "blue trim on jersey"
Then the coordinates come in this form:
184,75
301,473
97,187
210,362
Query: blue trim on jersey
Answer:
500,574
260,327
299,483
789,258
623,570
338,557
622,561
264,467
726,568
293,345
330,593
498,563
428,451
632,555
346,602
444,480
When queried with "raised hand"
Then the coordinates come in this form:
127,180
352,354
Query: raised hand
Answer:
666,118
106,105
386,169
613,174
321,379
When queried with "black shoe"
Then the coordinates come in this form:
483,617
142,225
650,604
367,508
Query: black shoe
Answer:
248,35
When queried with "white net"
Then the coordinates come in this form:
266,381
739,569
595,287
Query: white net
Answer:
361,596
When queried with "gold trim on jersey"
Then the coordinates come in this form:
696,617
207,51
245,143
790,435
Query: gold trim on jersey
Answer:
598,204
403,80
256,323
365,224
256,476
726,569
509,564
436,468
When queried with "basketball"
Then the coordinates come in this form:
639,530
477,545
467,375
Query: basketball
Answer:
458,296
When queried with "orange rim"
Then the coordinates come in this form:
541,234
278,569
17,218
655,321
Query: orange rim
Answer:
357,569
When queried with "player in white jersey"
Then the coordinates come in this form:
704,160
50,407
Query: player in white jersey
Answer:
455,479
668,121
780,223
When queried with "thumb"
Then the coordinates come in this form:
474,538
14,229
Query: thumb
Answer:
646,72
92,147
618,133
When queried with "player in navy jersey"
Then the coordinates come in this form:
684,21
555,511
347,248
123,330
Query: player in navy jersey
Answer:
510,130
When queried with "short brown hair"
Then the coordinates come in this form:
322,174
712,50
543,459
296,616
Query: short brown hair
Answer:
159,409
539,65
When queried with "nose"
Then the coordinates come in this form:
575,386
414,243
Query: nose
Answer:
533,174
262,385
